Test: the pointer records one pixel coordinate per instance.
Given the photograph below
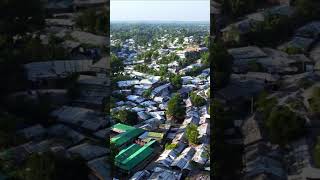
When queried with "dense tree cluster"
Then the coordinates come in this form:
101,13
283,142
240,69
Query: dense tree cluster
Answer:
149,32
125,116
168,59
272,31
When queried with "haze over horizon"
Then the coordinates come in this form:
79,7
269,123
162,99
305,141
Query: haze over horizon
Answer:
159,11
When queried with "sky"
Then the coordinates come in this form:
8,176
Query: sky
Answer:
160,10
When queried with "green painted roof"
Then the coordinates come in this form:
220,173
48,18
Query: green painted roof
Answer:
123,138
132,160
122,127
125,153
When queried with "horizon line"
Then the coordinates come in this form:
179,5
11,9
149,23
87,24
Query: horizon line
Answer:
203,21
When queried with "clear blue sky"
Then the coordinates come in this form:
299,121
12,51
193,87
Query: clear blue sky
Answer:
160,10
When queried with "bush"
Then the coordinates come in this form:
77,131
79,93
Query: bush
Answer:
147,93
176,81
192,134
197,100
195,71
170,146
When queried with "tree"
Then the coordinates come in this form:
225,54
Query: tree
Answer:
197,100
176,108
147,93
155,54
192,134
221,65
315,101
176,81
272,31
147,56
205,59
116,64
284,125
173,57
265,105
126,116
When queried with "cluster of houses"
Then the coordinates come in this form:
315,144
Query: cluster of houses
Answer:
78,124
237,32
65,6
143,154
282,73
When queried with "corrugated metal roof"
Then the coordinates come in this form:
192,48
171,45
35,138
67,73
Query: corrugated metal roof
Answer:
136,157
127,136
121,127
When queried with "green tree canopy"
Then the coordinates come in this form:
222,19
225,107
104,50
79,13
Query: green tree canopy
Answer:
176,108
284,125
116,64
192,134
176,81
315,101
197,100
147,93
126,117
205,59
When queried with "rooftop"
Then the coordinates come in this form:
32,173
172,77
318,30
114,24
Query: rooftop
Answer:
125,137
130,157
